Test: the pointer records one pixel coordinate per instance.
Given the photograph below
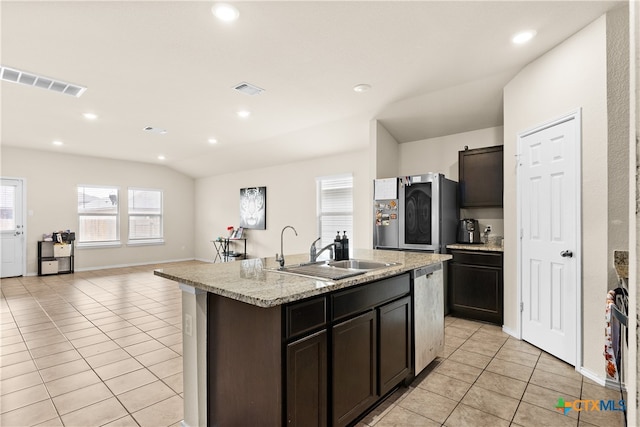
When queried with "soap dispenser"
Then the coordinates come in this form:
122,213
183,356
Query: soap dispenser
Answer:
338,248
345,246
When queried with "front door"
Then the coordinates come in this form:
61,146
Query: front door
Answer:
11,228
549,189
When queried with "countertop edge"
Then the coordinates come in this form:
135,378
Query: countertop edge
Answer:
315,287
477,247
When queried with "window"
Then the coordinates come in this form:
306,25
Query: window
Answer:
98,215
7,207
335,207
145,216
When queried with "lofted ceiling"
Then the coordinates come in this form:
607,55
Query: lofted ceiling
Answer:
436,68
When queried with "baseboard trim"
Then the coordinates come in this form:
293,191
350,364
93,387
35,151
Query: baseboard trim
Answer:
605,382
510,332
138,264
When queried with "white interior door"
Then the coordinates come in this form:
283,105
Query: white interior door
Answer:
12,246
549,194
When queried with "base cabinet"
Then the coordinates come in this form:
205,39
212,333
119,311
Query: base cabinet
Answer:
324,361
476,285
307,381
354,368
395,343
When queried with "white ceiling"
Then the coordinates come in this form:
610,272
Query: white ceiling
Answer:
436,67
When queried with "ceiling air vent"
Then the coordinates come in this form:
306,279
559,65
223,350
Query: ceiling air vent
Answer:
248,89
154,130
30,79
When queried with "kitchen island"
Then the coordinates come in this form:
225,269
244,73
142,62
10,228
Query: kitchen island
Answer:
265,348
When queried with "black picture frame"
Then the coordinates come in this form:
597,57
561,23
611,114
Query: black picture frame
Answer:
253,208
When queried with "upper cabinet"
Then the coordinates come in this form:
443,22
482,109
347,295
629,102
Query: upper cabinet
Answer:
480,177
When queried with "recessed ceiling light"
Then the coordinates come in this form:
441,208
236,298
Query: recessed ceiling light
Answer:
213,141
161,157
523,37
90,116
58,143
225,12
362,87
244,113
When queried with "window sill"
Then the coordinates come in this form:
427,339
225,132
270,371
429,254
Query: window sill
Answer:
98,245
150,242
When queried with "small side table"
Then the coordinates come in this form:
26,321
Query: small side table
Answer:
222,249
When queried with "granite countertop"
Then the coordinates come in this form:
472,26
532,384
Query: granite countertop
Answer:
252,282
621,263
490,247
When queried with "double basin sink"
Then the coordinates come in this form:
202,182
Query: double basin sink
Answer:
334,270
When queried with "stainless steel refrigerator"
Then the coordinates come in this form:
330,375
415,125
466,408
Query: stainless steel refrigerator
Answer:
385,214
422,214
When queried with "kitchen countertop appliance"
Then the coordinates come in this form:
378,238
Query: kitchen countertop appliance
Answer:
469,231
417,212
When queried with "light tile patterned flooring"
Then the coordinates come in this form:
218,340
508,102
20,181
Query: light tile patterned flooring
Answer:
487,378
104,348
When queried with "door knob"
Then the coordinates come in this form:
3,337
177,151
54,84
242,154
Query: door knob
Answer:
566,254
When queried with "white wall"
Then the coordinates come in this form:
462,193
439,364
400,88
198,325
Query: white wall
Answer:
572,75
441,155
618,133
384,152
51,191
291,200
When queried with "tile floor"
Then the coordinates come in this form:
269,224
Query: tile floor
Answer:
103,348
487,378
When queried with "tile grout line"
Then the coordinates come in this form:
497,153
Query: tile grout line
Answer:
75,308
476,380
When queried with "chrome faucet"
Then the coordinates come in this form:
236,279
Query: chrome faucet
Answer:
281,259
314,253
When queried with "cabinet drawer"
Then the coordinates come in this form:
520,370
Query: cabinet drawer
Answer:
369,296
49,267
480,258
306,316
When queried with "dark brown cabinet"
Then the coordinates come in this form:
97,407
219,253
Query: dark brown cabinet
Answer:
476,285
322,361
354,367
371,351
307,381
481,177
395,343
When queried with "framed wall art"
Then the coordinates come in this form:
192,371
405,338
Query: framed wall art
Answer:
253,208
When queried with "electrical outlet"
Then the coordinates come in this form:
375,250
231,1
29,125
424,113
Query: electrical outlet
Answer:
188,320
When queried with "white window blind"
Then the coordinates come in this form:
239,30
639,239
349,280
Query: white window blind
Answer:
98,215
145,215
335,207
7,208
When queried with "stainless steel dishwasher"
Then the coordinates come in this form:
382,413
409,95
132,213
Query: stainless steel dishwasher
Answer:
428,309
